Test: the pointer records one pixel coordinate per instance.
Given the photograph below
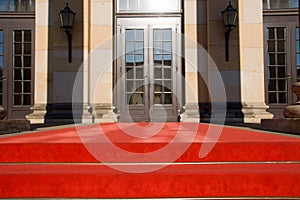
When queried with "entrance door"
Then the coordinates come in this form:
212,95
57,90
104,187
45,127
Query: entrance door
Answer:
148,86
281,61
16,66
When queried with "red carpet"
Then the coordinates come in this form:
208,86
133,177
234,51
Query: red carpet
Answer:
243,163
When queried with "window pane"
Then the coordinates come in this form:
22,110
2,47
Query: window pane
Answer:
3,5
139,73
158,73
272,72
148,6
18,87
129,73
272,98
157,98
27,87
167,73
17,100
282,98
272,85
279,4
168,99
27,100
18,48
281,72
282,85
167,86
18,36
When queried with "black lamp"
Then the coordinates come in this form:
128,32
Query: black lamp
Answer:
229,19
67,17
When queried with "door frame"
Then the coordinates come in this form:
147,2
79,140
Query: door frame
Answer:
290,22
148,24
8,25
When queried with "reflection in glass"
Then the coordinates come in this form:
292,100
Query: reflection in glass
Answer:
148,6
168,98
129,48
167,86
139,73
157,73
129,60
279,4
129,73
135,99
139,35
129,86
129,35
157,98
158,86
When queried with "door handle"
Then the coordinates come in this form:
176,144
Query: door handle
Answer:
3,78
145,76
289,75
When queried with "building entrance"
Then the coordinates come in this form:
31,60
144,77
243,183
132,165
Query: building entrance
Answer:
148,85
16,66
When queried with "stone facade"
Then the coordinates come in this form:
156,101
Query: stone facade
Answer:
55,78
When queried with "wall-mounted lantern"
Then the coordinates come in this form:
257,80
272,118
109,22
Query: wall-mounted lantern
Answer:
229,19
67,17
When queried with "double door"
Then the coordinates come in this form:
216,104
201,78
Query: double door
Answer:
16,66
149,85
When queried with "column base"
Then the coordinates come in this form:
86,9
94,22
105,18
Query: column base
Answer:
255,112
38,114
103,113
191,113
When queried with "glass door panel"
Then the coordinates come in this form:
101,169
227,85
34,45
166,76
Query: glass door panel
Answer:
148,65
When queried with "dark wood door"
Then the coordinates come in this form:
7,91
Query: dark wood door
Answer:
16,66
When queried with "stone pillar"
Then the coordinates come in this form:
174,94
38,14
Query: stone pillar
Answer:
101,60
41,62
251,61
191,107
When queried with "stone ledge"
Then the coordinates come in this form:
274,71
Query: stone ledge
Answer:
14,126
282,125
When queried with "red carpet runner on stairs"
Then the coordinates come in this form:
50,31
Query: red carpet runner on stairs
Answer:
56,164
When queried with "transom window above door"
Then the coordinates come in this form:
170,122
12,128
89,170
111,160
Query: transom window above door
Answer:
17,5
146,6
279,4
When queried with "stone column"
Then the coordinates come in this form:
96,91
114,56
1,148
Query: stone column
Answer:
191,107
251,61
101,60
41,61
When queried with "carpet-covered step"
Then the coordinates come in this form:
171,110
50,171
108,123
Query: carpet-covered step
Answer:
176,181
170,142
